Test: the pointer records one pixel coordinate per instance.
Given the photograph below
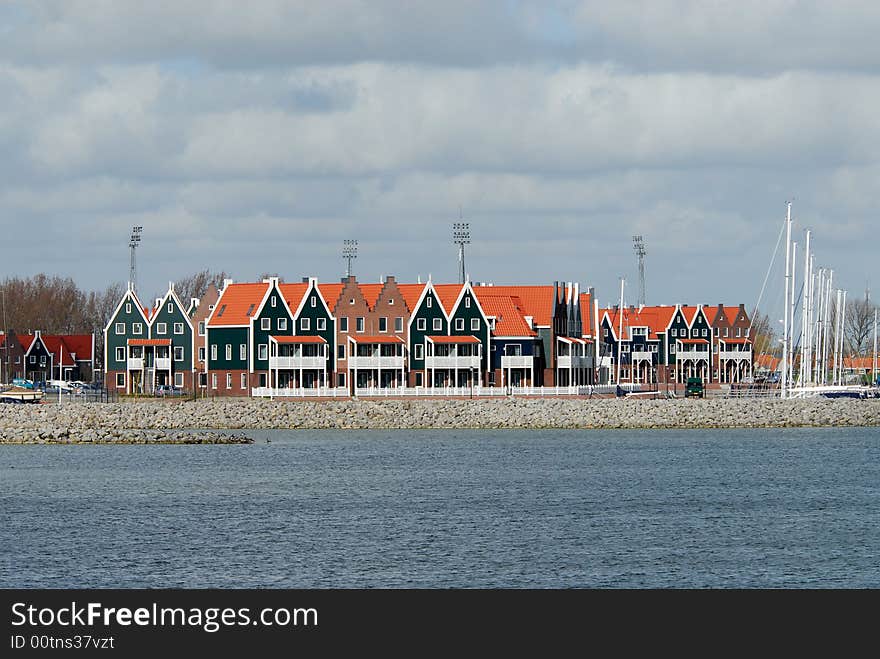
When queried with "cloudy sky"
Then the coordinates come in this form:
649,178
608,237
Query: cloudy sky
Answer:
256,137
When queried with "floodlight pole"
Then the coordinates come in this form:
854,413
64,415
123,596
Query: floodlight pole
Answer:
349,252
461,236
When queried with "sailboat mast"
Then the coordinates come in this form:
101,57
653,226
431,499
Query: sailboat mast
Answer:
790,354
620,332
805,312
826,352
785,338
874,364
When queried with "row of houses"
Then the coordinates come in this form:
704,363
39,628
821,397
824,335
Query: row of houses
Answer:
271,337
42,357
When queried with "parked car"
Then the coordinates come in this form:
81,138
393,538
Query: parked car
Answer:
24,384
167,390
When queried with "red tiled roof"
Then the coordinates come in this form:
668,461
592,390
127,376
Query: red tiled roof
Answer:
694,341
371,293
298,339
233,305
452,339
293,294
26,340
79,344
586,314
735,340
507,310
376,339
411,294
860,362
149,342
767,361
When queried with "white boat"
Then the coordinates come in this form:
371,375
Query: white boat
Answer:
21,395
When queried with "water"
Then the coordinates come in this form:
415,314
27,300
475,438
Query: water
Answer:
547,509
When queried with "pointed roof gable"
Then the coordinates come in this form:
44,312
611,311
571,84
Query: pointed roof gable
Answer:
294,294
411,294
235,302
448,294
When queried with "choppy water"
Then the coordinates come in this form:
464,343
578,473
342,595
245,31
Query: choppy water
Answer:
549,509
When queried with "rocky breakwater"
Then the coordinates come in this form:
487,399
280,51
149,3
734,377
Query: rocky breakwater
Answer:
158,421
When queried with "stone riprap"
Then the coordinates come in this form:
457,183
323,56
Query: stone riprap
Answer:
155,421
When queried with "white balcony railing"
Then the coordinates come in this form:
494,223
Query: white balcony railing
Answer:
517,361
297,361
163,363
692,354
568,361
299,392
735,354
135,363
642,355
452,362
388,362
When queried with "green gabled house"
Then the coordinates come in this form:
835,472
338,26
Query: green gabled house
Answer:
125,336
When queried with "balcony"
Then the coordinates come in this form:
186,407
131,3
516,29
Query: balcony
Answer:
135,363
517,361
297,362
642,355
735,354
396,362
163,363
692,354
568,361
453,361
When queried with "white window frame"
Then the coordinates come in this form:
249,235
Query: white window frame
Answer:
214,353
137,328
383,320
421,325
437,325
359,325
120,328
475,324
242,351
263,351
340,351
201,353
321,324
161,328
398,324
419,351
120,354
170,307
176,326
273,301
343,324
178,380
229,352
459,324
128,307
213,380
314,302
429,302
120,380
244,381
282,324
467,303
305,324
229,380
178,350
201,328
266,324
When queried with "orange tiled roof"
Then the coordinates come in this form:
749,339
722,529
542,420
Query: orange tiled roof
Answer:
293,294
233,305
452,339
586,314
360,338
371,293
767,361
447,294
536,301
299,339
411,294
859,362
330,293
149,342
507,310
694,341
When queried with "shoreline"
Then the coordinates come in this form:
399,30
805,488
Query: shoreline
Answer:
182,422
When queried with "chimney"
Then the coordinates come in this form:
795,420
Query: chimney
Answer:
531,321
226,282
305,280
194,302
390,279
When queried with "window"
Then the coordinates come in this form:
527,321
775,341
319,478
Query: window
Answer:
467,303
273,301
178,353
343,324
726,332
265,324
120,328
418,379
178,328
33,359
398,324
340,379
419,351
704,332
747,330
605,332
322,324
213,380
120,380
203,379
359,324
475,324
624,347
420,324
229,380
120,354
263,351
178,379
282,323
429,302
340,351
717,332
672,349
438,324
242,351
201,328
305,323
351,301
161,328
391,302
739,332
202,354
170,307
652,347
244,377
383,324
214,351
137,328
42,360
314,301
459,324
262,379
228,352
128,307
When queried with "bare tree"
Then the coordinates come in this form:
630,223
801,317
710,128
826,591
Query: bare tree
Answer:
196,284
763,338
859,326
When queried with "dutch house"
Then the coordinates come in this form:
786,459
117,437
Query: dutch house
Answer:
125,337
732,349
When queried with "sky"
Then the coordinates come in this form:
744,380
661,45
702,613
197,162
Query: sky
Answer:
256,137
